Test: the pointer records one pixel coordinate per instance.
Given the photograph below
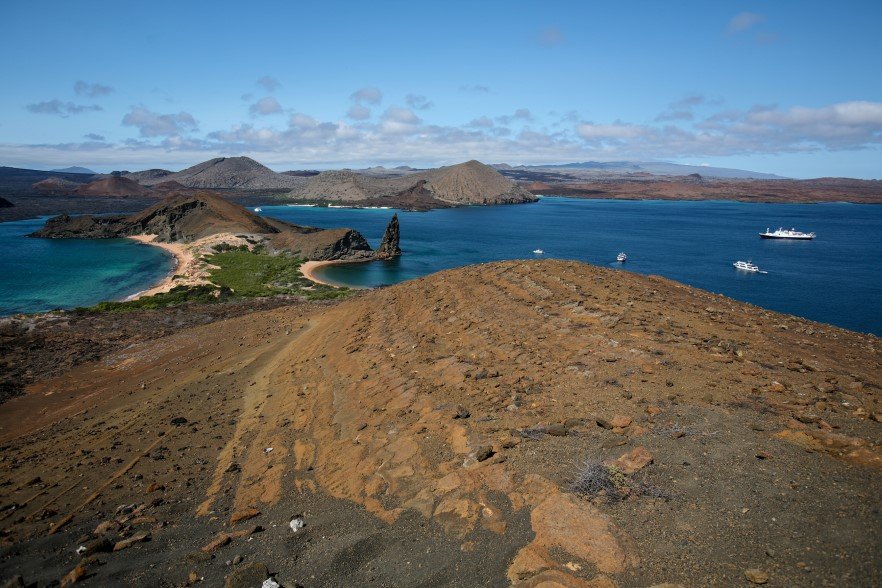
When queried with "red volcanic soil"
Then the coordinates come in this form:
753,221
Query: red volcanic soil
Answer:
113,186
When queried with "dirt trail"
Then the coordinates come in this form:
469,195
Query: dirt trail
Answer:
455,411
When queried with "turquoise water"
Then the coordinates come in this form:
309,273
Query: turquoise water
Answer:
836,278
45,274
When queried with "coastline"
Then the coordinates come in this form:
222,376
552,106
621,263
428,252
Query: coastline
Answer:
183,264
307,268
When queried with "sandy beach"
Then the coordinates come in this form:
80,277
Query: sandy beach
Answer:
185,264
308,270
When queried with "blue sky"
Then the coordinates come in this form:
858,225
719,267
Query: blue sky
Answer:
793,88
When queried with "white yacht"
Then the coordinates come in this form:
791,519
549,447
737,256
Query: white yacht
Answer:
622,257
747,266
782,233
538,251
258,209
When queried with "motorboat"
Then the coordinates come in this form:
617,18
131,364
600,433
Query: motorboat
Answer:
258,209
786,234
622,257
747,266
538,251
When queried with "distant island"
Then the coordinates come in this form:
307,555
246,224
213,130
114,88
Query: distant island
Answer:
250,183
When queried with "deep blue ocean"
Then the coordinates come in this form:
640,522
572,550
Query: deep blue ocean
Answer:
836,278
45,274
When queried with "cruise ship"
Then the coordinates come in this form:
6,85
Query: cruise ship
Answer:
786,234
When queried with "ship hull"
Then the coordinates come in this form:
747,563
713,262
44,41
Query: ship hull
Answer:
767,236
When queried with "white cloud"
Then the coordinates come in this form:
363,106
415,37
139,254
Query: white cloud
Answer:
265,106
152,124
62,109
418,102
91,90
475,89
359,112
399,135
369,95
269,83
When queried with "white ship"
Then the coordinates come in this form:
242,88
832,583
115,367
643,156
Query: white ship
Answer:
786,234
622,257
538,251
747,266
258,209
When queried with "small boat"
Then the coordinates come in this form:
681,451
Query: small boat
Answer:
786,234
747,266
538,251
258,209
622,257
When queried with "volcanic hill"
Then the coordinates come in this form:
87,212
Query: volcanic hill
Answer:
529,423
193,215
466,183
223,173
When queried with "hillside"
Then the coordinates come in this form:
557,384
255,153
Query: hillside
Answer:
195,215
463,184
224,173
538,423
113,186
75,169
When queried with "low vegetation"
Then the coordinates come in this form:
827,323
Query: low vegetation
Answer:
237,272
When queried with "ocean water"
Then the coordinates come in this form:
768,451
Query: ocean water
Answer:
836,278
46,274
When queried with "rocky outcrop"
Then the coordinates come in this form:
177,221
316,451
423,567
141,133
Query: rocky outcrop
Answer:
473,182
389,245
187,217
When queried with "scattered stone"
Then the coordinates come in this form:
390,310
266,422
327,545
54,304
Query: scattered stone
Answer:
192,578
653,410
619,421
296,524
126,543
633,461
244,515
270,583
556,429
155,487
217,543
510,442
74,576
485,452
248,576
604,424
777,387
237,560
100,545
756,576
178,421
462,412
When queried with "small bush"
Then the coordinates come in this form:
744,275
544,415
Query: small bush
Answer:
595,479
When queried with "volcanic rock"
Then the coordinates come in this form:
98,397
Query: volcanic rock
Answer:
389,244
225,173
113,186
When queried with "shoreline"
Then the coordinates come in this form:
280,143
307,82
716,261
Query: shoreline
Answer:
307,268
183,261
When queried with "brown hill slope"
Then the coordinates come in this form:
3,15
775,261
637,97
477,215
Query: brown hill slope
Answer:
229,172
113,186
473,182
430,433
465,183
